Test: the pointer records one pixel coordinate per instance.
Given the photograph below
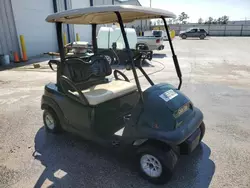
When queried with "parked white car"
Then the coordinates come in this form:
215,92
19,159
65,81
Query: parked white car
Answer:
156,33
151,42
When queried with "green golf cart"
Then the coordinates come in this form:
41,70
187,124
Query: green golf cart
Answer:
157,125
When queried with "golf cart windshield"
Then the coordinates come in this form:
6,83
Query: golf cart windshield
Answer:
111,14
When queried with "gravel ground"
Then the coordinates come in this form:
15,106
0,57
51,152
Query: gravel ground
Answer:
215,77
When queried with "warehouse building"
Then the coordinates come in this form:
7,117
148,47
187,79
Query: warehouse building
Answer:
27,18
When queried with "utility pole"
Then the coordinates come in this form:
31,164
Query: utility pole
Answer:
150,3
113,2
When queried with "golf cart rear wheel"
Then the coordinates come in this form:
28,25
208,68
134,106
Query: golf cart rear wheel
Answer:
184,36
155,164
51,121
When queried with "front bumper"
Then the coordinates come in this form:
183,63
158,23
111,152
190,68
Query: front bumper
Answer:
183,132
191,143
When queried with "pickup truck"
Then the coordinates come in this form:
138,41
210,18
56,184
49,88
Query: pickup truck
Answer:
151,42
109,35
193,32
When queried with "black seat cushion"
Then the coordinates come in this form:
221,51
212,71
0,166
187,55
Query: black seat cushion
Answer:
80,70
86,74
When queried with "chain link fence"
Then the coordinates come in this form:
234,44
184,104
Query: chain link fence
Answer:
212,29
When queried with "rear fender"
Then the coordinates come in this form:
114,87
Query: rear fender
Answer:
48,103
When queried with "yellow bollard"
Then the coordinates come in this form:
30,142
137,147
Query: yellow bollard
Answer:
172,34
23,46
77,37
64,39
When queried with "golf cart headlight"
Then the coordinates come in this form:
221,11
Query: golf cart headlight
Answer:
182,110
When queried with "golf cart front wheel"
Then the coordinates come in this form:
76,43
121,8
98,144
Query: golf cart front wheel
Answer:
155,164
51,121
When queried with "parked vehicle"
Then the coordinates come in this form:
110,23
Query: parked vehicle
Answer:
193,33
160,33
157,124
151,42
110,42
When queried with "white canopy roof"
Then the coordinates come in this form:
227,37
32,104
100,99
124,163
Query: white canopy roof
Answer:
106,14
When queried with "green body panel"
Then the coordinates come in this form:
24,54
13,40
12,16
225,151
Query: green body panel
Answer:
153,119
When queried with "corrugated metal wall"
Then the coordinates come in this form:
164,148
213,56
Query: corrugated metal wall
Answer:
70,29
8,35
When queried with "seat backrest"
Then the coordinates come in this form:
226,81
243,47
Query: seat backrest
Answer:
87,74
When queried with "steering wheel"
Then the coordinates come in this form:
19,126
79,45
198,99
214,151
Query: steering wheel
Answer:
123,75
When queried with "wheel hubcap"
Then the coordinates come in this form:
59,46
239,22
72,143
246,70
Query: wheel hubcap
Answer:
151,165
49,121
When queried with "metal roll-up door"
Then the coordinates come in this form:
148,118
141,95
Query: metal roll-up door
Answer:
8,34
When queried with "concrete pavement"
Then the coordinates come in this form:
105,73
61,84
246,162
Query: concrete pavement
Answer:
215,77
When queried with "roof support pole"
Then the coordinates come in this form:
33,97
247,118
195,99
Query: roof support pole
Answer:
61,51
130,56
176,63
94,40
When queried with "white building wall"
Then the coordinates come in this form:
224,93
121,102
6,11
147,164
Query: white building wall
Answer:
139,25
40,36
29,16
84,31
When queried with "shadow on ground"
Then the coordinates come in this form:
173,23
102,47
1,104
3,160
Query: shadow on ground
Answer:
72,162
155,55
195,39
145,63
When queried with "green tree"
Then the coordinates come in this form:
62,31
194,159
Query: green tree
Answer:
219,21
224,19
209,21
175,21
183,18
158,22
200,21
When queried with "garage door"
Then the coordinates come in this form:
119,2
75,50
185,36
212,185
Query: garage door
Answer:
8,35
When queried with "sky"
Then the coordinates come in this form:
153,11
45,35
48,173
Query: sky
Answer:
235,9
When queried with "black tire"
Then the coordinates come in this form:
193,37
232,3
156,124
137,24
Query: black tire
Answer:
184,36
203,130
167,159
53,129
202,37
